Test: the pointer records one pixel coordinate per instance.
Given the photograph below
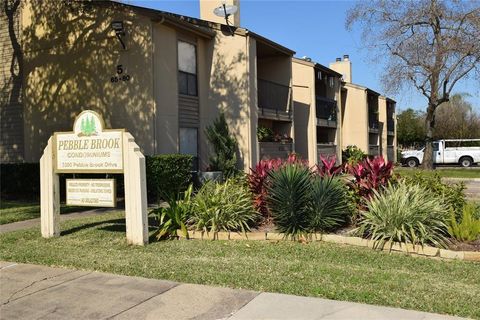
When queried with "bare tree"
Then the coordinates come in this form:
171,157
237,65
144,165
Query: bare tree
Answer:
430,44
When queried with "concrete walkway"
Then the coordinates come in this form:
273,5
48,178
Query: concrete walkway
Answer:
26,224
37,292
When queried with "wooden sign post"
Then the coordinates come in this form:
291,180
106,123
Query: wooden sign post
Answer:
92,149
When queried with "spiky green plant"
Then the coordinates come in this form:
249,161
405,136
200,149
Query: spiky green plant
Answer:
468,229
288,197
223,207
404,213
328,206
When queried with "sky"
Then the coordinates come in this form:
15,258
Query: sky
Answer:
315,29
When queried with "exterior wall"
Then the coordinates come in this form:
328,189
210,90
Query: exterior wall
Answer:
229,63
355,118
11,85
382,118
343,67
69,65
303,78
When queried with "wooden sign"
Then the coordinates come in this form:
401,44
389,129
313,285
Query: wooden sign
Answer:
91,192
89,148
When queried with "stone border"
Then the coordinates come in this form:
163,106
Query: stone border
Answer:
425,251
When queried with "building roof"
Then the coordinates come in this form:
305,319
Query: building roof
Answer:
316,65
198,26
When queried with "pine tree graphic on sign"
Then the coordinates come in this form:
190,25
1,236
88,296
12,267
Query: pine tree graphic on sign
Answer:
87,126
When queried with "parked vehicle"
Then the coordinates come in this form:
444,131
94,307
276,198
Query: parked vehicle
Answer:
452,151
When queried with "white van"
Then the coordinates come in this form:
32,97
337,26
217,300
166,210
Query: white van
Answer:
452,151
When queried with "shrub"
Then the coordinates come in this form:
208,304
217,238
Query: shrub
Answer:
370,175
264,134
20,180
173,218
353,155
468,229
288,195
404,213
328,167
222,207
224,145
452,193
328,206
167,175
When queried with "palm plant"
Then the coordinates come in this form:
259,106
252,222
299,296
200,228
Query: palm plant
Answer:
404,213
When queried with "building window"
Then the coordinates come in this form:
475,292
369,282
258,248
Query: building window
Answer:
187,69
189,144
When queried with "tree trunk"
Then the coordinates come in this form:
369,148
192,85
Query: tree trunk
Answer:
427,162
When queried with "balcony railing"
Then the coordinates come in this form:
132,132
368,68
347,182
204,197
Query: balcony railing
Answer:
390,153
373,123
326,112
391,126
274,150
325,150
274,100
373,150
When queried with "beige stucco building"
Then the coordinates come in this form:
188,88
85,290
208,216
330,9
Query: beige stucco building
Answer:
316,93
171,79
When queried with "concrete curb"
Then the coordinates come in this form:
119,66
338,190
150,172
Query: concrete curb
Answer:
425,251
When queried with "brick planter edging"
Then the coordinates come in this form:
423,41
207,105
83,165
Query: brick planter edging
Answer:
426,251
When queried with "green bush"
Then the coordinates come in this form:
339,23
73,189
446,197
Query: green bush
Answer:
167,175
20,181
173,218
224,146
468,229
301,202
352,155
224,206
404,213
452,194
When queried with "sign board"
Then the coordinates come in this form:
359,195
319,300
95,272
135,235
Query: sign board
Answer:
89,148
91,192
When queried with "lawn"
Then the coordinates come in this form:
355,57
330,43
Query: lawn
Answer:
13,211
445,173
314,269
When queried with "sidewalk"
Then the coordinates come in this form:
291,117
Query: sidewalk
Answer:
34,292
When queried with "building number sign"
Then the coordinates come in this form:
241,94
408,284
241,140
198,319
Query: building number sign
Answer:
120,77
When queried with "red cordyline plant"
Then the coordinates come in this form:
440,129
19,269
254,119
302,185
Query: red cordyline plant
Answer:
328,167
369,174
257,180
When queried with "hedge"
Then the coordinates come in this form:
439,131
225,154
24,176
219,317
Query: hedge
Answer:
165,174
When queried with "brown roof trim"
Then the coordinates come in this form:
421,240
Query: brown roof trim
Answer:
327,70
272,44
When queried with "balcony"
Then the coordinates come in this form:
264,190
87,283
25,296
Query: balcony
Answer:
373,150
274,150
274,101
326,112
390,153
391,127
326,150
373,124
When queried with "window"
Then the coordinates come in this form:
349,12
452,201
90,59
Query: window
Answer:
187,69
189,144
435,146
331,82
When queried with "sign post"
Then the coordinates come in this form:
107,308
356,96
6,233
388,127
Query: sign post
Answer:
92,149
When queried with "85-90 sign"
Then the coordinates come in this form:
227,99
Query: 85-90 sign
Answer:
120,76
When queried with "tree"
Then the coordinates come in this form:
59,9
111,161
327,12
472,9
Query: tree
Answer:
224,145
410,130
428,44
456,119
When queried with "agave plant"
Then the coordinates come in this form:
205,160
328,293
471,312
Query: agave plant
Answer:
328,206
328,167
404,213
468,229
173,218
288,196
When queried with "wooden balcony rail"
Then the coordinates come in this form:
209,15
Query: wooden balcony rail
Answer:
373,150
326,108
325,150
274,150
274,96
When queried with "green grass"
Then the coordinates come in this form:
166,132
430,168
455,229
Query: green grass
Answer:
315,269
445,173
13,211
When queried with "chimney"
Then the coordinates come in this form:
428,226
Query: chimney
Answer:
344,67
207,7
